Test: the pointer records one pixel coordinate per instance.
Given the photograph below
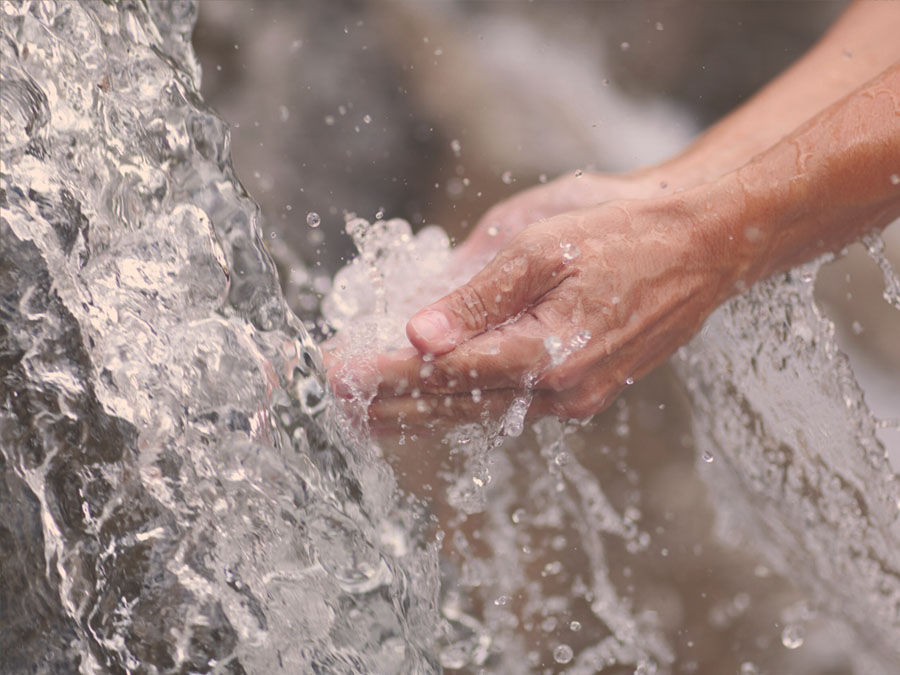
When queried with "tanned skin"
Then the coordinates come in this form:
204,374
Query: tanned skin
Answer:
808,165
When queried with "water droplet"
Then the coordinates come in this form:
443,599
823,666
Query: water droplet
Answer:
563,654
507,177
792,636
707,457
313,219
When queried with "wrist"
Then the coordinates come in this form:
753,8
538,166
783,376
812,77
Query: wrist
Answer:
724,234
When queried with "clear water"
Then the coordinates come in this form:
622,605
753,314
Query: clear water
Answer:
178,494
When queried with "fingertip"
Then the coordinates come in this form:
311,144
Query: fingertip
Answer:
430,332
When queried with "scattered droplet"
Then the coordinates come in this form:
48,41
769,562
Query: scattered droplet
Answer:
563,654
501,601
792,636
313,219
569,251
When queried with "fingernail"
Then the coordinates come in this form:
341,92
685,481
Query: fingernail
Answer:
430,331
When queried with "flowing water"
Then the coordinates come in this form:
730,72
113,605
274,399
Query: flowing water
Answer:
178,494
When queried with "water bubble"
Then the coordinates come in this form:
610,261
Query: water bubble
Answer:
554,347
629,381
707,457
456,147
313,219
476,395
379,214
749,668
563,654
792,636
507,177
367,119
575,626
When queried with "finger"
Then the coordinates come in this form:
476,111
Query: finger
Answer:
433,413
502,222
530,266
500,358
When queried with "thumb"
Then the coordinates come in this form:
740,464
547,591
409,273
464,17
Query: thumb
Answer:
517,277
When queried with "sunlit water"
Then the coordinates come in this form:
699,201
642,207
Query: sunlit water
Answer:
178,494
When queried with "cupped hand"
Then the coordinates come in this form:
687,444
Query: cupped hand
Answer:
574,191
572,309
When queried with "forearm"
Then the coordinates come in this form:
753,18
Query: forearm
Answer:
861,44
816,190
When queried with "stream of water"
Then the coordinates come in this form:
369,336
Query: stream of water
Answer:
178,494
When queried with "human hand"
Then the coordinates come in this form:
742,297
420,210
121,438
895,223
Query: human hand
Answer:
571,192
620,286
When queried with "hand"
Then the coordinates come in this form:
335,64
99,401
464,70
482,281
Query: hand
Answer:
571,192
620,285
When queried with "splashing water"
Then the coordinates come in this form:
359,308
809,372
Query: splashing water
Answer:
799,470
173,492
179,496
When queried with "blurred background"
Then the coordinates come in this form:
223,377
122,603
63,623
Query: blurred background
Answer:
433,111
